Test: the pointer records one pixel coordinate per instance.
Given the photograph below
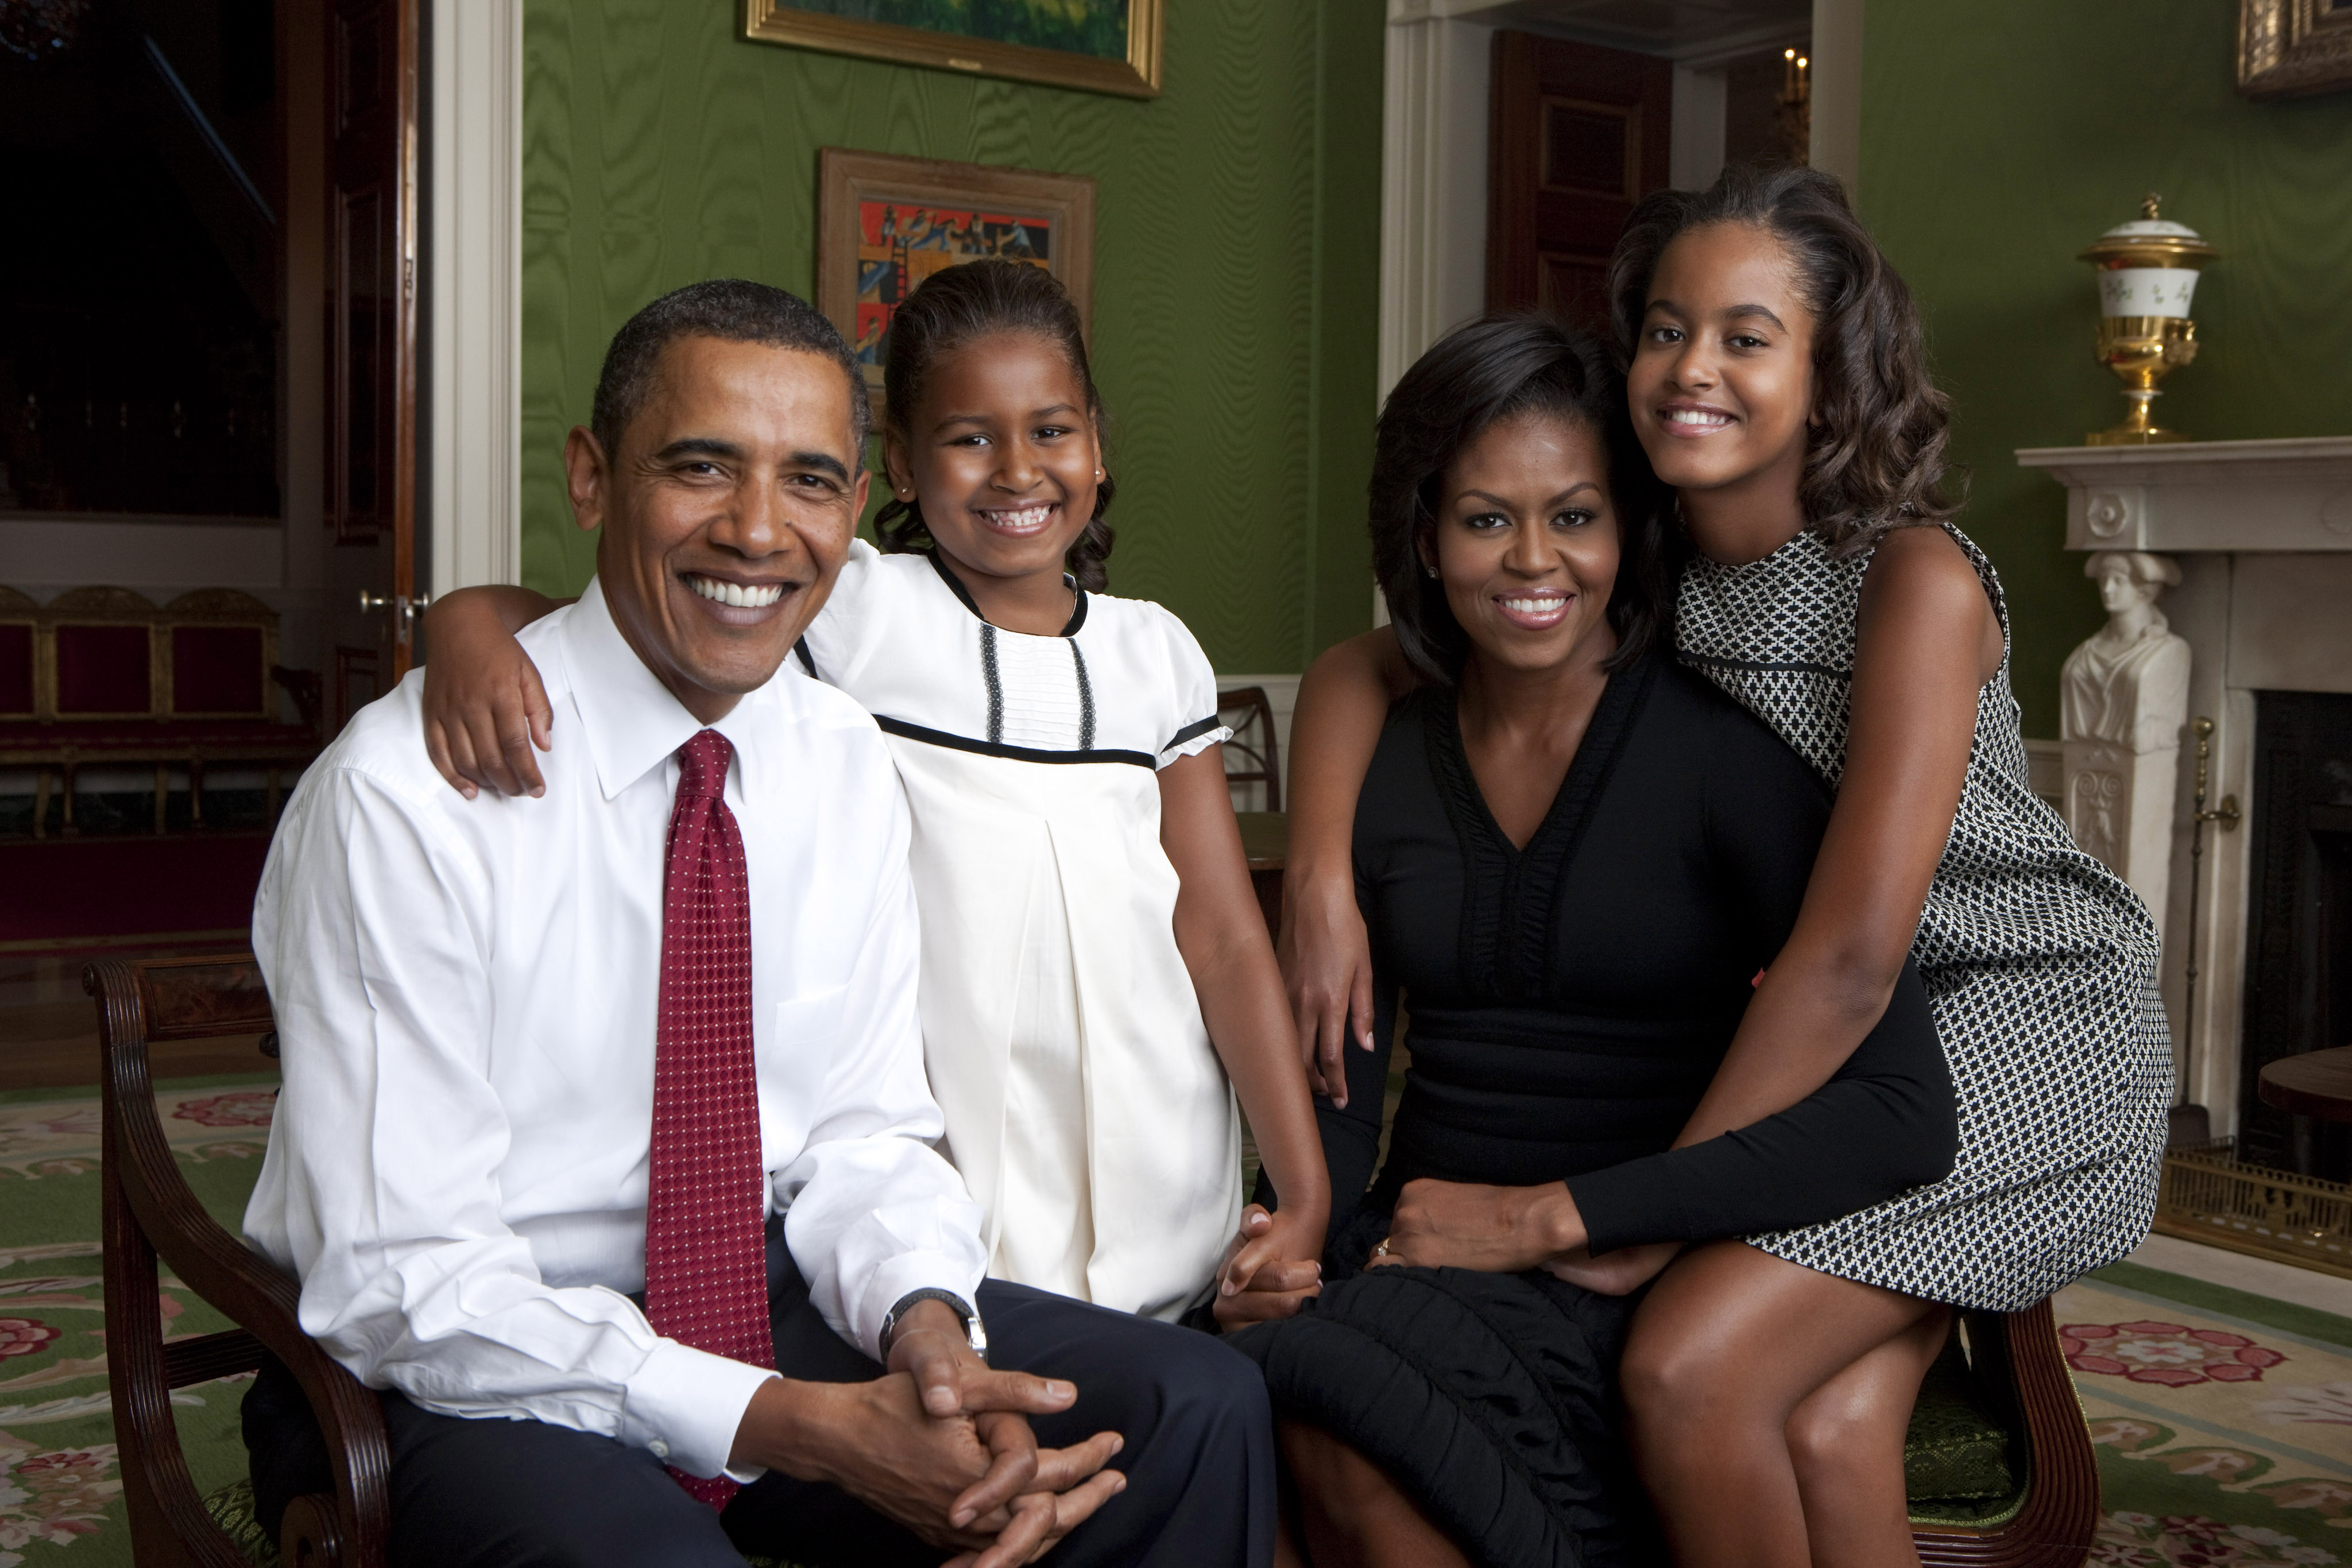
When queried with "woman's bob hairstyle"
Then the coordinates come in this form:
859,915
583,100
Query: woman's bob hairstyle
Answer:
1875,453
1503,367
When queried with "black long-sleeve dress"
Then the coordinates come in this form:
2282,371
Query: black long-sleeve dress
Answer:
1569,1003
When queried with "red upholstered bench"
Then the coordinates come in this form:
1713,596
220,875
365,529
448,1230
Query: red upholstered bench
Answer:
103,678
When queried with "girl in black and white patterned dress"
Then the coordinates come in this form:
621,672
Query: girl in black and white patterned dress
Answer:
1778,382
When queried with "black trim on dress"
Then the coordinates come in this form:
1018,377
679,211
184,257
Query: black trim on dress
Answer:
995,684
1086,701
906,731
1198,727
955,585
807,659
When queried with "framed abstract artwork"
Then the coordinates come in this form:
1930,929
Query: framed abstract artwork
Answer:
2293,48
1098,46
885,224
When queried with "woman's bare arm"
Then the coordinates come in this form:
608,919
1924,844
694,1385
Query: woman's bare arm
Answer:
1342,702
1221,932
1927,643
485,708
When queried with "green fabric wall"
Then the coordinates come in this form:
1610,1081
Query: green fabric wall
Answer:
1999,139
1237,251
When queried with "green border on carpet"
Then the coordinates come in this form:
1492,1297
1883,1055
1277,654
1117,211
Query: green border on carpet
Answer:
2308,1322
93,1091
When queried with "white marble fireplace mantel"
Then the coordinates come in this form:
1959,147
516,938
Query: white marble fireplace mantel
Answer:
2262,533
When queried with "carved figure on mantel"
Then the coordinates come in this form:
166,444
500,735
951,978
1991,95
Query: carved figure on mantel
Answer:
2124,701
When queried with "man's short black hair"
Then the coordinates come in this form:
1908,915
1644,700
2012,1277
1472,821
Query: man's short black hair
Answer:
734,311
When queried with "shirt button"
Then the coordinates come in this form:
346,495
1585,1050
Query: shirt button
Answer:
659,1449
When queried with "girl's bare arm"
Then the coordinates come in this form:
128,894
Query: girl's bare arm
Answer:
1222,934
1926,641
485,708
1326,957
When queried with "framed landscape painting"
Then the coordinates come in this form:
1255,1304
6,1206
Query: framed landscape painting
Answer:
1101,46
885,224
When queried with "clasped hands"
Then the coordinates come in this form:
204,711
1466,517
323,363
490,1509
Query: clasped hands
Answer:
1508,1229
940,1443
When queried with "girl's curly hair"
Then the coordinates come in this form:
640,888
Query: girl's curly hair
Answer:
1876,458
949,309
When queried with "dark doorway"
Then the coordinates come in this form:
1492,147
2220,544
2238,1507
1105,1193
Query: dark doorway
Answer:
1579,134
141,170
2299,941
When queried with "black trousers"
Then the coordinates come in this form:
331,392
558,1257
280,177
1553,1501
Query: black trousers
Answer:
1199,1459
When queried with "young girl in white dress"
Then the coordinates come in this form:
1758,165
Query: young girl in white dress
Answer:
1097,980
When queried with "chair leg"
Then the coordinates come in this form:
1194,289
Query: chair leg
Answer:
195,792
41,802
66,827
162,793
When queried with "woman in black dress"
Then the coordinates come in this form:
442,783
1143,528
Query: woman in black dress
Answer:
1574,857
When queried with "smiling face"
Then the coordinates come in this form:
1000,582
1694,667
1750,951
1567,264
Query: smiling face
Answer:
1722,379
1525,542
727,512
1002,455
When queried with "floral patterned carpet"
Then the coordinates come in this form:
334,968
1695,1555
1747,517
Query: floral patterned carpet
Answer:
2223,1420
59,1489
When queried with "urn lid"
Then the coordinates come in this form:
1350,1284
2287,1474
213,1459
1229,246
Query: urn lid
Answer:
2150,240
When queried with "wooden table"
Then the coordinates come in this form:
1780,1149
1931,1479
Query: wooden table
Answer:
2317,1083
2313,1087
1266,841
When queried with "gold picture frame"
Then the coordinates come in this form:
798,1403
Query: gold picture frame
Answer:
885,223
2293,48
1137,76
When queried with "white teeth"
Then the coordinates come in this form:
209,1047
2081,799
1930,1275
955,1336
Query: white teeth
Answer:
1027,517
742,596
1542,606
1694,417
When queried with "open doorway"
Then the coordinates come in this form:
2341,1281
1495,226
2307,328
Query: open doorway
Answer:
207,452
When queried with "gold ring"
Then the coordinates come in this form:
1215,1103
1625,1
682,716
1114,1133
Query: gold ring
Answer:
1384,1248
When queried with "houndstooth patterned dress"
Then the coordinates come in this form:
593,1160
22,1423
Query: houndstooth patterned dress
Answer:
2039,961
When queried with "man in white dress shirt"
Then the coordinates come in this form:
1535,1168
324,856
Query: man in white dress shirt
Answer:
510,1146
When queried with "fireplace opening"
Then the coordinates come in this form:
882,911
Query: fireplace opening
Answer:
2299,944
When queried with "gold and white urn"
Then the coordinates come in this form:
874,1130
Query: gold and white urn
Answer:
2147,279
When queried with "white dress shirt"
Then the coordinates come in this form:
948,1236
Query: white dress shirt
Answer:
466,995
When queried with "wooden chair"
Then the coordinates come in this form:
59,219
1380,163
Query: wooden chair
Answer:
1253,746
2015,1381
151,1214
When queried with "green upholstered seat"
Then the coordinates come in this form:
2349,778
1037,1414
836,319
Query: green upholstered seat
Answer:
1963,1459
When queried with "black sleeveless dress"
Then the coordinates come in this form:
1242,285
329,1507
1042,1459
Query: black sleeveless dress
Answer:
1569,1002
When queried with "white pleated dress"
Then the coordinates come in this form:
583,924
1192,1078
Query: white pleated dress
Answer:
1085,1105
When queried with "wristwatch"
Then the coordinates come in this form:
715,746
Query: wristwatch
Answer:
973,1328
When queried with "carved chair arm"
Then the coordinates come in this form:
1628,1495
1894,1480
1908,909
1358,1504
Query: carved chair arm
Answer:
250,1289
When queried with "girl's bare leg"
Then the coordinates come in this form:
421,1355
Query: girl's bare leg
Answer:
1351,1515
1846,1443
1729,1344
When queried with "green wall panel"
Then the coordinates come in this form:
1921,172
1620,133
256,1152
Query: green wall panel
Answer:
1999,139
1236,265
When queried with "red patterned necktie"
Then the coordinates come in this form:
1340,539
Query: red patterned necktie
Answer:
705,1255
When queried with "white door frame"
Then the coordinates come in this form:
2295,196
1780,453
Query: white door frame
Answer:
475,274
1434,135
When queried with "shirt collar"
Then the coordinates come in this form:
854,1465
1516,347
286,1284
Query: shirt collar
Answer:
631,721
